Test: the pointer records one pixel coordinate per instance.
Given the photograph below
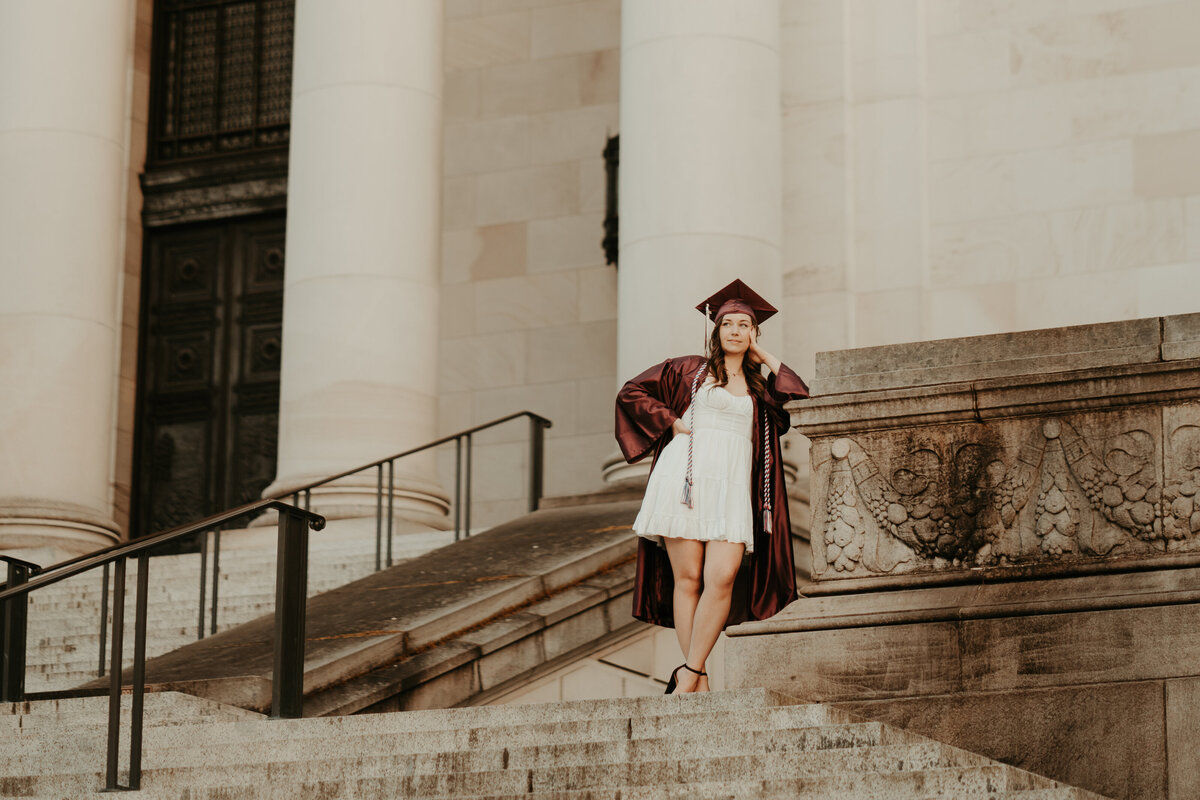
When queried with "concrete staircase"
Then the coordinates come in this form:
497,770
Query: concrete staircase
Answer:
750,743
64,619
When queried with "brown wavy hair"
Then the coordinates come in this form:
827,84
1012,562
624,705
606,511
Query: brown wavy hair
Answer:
751,368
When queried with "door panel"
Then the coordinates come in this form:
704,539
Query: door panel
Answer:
208,393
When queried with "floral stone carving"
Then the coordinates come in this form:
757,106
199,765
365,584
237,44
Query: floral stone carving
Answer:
1018,491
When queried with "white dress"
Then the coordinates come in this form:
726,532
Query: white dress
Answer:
720,475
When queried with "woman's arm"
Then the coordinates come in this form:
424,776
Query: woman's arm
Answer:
643,415
783,385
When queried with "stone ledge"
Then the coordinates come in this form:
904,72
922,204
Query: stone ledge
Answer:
1017,598
1139,341
994,398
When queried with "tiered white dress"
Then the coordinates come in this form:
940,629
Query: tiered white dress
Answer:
720,475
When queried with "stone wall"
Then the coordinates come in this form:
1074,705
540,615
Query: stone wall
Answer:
1006,550
528,305
967,167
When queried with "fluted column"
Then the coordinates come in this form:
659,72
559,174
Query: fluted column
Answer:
700,197
360,317
64,70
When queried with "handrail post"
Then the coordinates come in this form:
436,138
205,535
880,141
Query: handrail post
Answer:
216,578
458,454
536,456
203,582
291,583
114,678
378,516
467,493
103,619
391,516
139,671
14,614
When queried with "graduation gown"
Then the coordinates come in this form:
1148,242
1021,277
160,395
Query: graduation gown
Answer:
647,406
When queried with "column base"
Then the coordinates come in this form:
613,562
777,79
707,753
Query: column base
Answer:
46,532
615,469
413,499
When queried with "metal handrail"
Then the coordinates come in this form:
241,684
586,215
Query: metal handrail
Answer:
535,419
287,693
301,496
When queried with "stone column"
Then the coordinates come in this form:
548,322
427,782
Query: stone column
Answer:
700,197
360,314
64,70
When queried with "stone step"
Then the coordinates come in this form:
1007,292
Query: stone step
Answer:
758,790
442,751
432,775
761,704
67,712
951,783
771,790
747,743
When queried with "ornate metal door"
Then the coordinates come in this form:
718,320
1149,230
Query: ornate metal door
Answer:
208,394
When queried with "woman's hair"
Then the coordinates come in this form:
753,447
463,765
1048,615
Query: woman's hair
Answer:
752,369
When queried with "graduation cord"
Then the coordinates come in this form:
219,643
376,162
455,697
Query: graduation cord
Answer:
768,524
687,498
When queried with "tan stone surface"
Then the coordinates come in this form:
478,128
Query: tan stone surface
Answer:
579,351
1181,337
460,95
597,294
530,86
526,194
571,135
486,145
485,253
1166,165
487,40
576,28
566,243
458,203
1182,701
1066,733
528,302
1099,647
599,77
829,666
973,358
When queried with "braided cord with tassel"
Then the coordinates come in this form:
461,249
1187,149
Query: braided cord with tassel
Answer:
768,524
687,498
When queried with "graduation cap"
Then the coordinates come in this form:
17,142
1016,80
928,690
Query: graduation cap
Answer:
737,298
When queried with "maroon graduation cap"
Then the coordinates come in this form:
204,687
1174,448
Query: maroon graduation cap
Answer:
737,298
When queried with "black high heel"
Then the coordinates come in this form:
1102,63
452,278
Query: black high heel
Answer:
674,682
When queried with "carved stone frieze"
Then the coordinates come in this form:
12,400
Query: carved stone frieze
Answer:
1026,490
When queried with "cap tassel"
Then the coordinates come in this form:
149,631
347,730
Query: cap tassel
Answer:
768,524
686,498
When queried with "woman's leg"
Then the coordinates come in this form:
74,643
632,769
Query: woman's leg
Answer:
687,564
721,563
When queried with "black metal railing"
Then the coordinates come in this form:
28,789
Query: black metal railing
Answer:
302,497
291,579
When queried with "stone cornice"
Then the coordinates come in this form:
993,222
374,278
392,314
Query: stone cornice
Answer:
997,398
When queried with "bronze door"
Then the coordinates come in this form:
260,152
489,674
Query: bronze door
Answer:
208,394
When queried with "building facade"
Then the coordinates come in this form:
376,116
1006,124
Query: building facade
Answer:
246,244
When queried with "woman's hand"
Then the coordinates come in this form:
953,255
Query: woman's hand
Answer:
760,355
679,428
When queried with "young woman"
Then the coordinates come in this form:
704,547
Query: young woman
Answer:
716,490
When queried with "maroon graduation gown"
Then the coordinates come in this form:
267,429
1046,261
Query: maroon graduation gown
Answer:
646,408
